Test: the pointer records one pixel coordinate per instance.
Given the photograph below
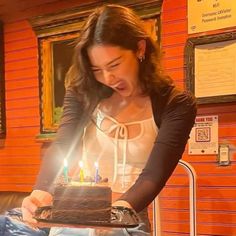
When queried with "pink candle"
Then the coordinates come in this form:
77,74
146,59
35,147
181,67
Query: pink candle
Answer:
96,178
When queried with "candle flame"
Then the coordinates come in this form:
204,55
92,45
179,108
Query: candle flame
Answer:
96,164
81,164
65,163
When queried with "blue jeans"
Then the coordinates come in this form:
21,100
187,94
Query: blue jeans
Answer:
11,224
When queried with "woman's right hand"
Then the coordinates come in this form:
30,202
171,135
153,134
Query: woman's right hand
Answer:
37,198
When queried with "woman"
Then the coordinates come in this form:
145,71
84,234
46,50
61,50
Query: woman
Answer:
120,110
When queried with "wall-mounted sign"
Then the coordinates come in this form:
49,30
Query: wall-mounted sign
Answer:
215,65
210,67
204,136
205,15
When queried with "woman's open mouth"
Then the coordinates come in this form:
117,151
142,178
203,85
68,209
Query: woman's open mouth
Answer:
121,86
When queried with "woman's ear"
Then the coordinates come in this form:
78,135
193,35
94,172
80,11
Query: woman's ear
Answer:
141,49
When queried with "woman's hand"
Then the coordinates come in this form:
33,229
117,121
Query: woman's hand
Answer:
122,203
117,202
37,198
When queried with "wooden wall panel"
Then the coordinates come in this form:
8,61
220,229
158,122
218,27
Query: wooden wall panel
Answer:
21,64
17,104
22,83
216,185
16,187
22,93
22,33
179,26
20,44
16,26
174,39
29,53
19,152
27,8
173,62
173,50
29,72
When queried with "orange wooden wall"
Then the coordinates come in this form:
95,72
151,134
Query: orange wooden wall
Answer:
20,151
216,186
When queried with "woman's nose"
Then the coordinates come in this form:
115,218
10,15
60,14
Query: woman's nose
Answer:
108,77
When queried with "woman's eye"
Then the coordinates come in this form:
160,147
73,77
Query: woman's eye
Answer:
96,70
114,65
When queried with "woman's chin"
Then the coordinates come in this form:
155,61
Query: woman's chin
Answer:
126,95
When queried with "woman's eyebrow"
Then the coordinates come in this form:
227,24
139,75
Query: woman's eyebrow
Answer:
112,61
109,63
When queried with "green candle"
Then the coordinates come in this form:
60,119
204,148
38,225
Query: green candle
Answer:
65,170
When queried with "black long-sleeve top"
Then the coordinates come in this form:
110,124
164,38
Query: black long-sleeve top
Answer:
174,113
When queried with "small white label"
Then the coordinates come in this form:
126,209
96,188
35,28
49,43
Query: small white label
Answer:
223,156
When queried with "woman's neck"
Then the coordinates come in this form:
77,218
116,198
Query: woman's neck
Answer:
123,108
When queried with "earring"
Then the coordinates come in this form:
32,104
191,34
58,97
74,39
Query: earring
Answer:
141,58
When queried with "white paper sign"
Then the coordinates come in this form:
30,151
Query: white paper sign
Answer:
204,136
215,72
205,15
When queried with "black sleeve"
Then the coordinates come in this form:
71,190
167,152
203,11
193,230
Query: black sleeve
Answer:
63,145
177,121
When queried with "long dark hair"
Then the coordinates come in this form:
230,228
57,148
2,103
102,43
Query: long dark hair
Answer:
118,26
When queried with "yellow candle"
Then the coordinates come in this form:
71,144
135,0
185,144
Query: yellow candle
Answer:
81,172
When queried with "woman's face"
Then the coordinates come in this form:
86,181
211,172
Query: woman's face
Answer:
116,68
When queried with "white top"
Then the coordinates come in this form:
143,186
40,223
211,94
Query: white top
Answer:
120,158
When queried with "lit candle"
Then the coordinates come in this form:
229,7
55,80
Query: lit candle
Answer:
65,170
81,172
96,178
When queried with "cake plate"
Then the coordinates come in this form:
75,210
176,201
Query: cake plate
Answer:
121,217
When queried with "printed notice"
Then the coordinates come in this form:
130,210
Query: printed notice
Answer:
205,15
215,70
204,136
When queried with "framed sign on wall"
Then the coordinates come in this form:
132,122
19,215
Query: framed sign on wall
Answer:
210,15
210,67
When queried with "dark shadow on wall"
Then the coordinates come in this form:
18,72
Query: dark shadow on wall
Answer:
2,87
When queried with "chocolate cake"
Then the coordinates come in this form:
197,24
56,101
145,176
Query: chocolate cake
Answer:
81,203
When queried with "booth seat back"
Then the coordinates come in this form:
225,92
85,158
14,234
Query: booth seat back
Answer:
11,199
